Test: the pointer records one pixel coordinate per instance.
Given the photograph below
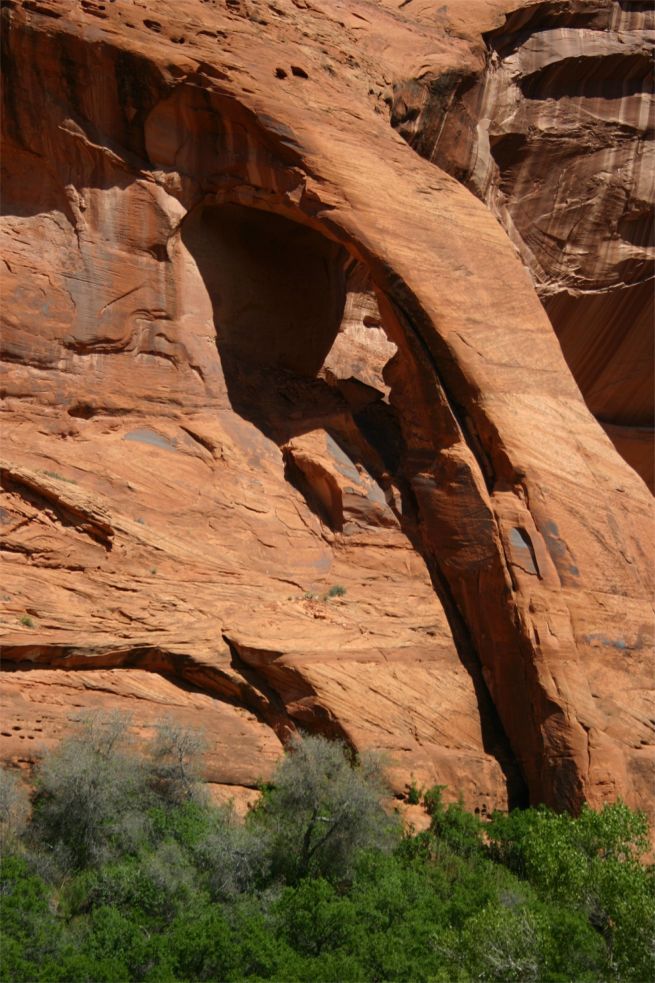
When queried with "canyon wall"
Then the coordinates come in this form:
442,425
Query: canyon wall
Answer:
289,441
555,135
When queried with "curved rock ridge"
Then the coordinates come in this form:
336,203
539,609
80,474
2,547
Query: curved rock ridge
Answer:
555,135
289,441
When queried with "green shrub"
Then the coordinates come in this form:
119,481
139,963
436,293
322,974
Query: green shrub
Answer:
414,794
29,931
461,830
322,809
337,590
590,864
91,797
153,883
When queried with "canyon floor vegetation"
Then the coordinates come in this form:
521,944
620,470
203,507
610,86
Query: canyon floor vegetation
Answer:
119,868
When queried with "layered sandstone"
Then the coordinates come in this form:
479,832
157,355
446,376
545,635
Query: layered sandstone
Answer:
554,133
256,347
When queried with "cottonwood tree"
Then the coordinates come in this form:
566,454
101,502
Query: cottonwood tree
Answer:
91,795
14,807
322,809
175,756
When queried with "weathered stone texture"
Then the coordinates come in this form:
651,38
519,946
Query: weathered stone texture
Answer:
255,346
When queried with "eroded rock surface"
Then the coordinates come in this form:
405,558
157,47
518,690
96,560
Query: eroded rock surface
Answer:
256,348
555,135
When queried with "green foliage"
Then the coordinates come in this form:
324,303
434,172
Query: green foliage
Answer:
337,590
202,946
30,932
322,810
91,797
188,823
592,864
414,794
151,882
155,884
461,830
315,918
433,799
26,621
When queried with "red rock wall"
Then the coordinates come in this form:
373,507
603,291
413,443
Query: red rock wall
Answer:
555,135
255,348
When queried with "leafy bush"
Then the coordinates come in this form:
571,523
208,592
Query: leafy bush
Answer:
153,883
414,794
592,864
322,809
33,938
91,796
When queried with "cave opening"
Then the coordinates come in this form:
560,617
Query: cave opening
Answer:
282,295
277,290
277,287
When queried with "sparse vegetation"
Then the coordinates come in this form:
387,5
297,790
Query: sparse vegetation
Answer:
414,794
14,808
337,590
27,621
59,477
125,871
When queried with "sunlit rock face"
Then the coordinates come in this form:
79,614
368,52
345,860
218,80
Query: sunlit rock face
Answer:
555,134
256,348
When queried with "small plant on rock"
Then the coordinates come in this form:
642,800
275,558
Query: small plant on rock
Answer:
414,794
59,477
336,591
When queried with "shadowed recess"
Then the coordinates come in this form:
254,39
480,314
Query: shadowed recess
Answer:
277,287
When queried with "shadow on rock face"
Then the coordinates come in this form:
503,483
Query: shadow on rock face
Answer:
278,293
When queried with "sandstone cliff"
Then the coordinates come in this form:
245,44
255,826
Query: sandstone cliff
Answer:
554,133
255,347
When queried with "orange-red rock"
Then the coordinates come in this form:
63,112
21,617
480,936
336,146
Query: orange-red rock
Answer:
554,131
256,347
